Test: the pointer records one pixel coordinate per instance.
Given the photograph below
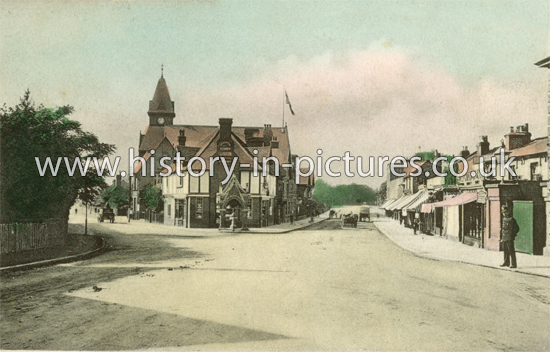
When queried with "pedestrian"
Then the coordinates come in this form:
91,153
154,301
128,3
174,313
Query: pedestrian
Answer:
129,214
416,222
508,235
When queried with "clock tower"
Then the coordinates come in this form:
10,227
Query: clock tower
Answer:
161,108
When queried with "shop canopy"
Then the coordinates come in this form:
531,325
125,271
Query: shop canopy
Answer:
404,201
417,203
451,202
387,203
394,205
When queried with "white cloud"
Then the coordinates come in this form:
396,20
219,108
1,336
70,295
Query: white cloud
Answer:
376,102
382,101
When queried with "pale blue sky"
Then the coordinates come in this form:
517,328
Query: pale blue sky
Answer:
104,57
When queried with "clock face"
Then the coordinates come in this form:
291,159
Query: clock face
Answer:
160,120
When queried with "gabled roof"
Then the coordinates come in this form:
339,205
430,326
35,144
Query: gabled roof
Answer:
196,136
205,139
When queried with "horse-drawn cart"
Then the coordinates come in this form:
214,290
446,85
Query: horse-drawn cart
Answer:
106,214
349,220
364,214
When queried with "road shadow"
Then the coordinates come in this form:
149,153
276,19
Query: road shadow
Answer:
99,326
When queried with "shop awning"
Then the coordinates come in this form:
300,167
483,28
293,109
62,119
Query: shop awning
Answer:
387,203
463,198
404,201
393,205
417,203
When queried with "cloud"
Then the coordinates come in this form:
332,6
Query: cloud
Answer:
382,101
376,102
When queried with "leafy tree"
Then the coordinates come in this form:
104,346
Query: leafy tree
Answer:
26,132
92,187
152,196
115,196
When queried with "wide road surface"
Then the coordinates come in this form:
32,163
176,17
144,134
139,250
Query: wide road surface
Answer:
322,288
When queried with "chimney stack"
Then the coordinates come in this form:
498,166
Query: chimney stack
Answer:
225,129
182,139
519,138
483,146
268,134
465,152
118,180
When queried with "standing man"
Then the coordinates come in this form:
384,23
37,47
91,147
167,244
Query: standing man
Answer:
510,230
416,222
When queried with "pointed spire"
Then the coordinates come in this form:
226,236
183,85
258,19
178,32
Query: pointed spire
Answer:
161,99
161,108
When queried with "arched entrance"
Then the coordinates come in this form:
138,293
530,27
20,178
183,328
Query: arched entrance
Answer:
234,206
233,199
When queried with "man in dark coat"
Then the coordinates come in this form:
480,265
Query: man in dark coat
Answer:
509,232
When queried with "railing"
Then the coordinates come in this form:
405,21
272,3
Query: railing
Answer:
17,237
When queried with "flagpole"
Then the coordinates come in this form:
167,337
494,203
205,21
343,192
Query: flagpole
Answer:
283,106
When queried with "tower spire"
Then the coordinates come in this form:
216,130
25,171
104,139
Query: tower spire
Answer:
161,108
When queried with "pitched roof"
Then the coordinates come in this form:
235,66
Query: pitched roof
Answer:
161,99
537,146
205,139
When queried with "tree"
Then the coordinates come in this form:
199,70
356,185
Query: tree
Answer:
343,194
382,192
115,196
26,132
92,186
152,196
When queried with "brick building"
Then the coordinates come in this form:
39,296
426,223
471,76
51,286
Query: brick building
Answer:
257,200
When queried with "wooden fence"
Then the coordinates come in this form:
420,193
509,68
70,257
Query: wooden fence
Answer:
17,237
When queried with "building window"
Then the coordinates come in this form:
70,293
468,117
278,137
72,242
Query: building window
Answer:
181,182
534,171
169,209
198,209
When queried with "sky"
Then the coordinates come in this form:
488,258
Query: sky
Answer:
373,78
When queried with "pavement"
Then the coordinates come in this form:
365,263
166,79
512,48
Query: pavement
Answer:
165,229
440,248
142,226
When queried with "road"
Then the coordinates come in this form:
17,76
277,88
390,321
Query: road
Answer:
320,288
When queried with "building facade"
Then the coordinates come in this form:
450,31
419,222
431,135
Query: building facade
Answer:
257,194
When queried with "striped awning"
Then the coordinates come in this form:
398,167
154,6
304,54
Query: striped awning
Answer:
404,201
417,204
463,198
387,203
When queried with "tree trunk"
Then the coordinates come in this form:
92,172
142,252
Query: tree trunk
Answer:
86,221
